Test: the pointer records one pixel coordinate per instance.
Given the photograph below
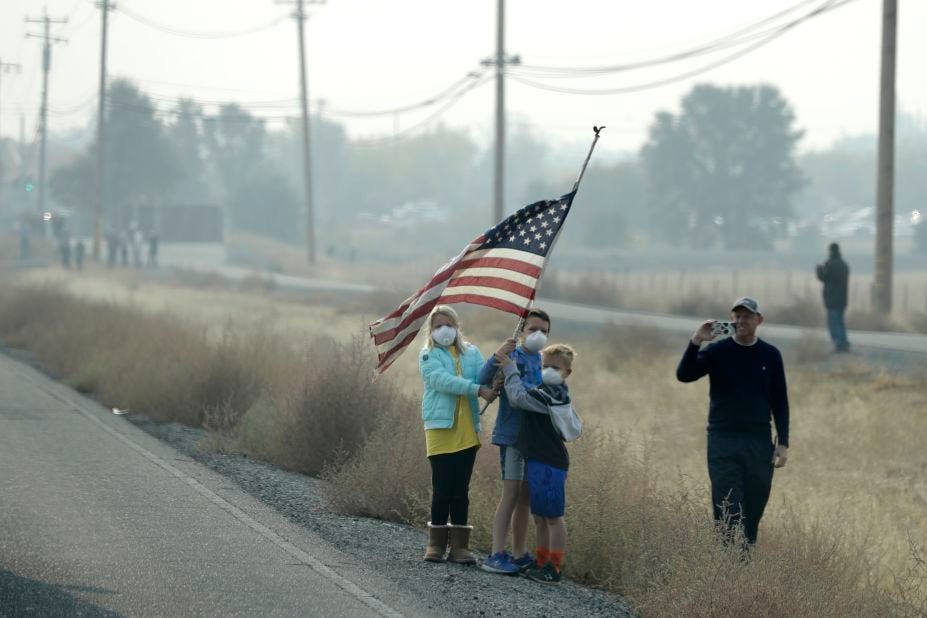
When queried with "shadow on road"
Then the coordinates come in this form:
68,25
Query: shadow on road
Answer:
23,596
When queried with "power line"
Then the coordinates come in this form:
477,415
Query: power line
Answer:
71,29
735,38
827,6
200,35
408,132
73,109
428,102
198,86
274,104
292,103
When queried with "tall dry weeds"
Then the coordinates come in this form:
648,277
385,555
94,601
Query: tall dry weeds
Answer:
638,510
325,414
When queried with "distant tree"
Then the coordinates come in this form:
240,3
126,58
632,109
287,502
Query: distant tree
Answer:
265,203
331,178
609,209
437,165
235,145
724,168
258,197
74,185
141,167
842,177
185,135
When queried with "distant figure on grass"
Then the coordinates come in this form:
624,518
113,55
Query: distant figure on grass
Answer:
835,274
153,240
79,251
112,247
450,410
64,248
23,226
547,421
747,384
513,509
124,248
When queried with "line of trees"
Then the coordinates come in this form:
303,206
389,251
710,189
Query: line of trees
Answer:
232,158
722,172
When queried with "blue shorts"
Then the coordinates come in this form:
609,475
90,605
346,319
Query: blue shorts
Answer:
512,463
547,486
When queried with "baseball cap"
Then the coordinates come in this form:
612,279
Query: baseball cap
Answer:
747,303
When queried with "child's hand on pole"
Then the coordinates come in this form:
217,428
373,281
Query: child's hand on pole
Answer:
502,358
507,348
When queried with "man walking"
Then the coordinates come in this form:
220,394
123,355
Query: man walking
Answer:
835,274
747,387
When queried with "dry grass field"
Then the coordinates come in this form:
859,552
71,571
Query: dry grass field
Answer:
290,382
789,296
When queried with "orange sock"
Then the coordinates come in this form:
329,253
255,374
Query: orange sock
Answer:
541,556
556,558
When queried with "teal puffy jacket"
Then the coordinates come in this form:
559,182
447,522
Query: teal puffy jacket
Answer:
443,386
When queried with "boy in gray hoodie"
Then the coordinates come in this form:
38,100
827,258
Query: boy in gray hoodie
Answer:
548,420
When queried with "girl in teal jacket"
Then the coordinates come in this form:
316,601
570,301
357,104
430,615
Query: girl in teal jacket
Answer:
450,369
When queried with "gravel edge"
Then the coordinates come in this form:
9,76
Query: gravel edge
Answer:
390,549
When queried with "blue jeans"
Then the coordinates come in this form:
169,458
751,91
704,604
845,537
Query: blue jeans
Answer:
837,328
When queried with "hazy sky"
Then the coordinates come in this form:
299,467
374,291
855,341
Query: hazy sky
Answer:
373,54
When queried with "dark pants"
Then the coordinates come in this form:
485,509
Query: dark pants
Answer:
741,470
837,328
450,486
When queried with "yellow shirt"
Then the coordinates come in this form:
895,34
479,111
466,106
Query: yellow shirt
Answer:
462,434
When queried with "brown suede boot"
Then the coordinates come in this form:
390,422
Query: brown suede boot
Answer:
437,543
459,539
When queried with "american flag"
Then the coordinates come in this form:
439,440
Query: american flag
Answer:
498,269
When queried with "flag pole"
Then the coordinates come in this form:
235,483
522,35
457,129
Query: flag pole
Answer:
579,178
521,321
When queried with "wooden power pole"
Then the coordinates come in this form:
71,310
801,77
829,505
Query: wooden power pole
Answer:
885,183
499,61
301,17
99,206
46,21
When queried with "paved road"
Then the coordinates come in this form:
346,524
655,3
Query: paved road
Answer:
98,518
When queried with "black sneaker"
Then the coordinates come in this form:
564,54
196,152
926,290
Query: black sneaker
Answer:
545,575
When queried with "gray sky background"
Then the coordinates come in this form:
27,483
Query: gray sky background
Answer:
373,54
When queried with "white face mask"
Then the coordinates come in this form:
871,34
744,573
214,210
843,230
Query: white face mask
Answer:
551,376
535,342
444,335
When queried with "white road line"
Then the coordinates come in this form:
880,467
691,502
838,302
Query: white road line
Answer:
345,584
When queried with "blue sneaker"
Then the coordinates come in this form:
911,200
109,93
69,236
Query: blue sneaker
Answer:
500,562
524,563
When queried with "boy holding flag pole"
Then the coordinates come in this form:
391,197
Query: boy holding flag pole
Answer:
501,269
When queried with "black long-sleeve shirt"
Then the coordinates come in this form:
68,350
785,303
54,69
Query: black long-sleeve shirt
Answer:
538,439
835,274
747,385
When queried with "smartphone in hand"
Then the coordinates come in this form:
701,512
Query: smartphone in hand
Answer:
722,329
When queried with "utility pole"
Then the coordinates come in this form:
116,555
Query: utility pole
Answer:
99,205
301,17
885,183
43,111
6,67
499,61
498,184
